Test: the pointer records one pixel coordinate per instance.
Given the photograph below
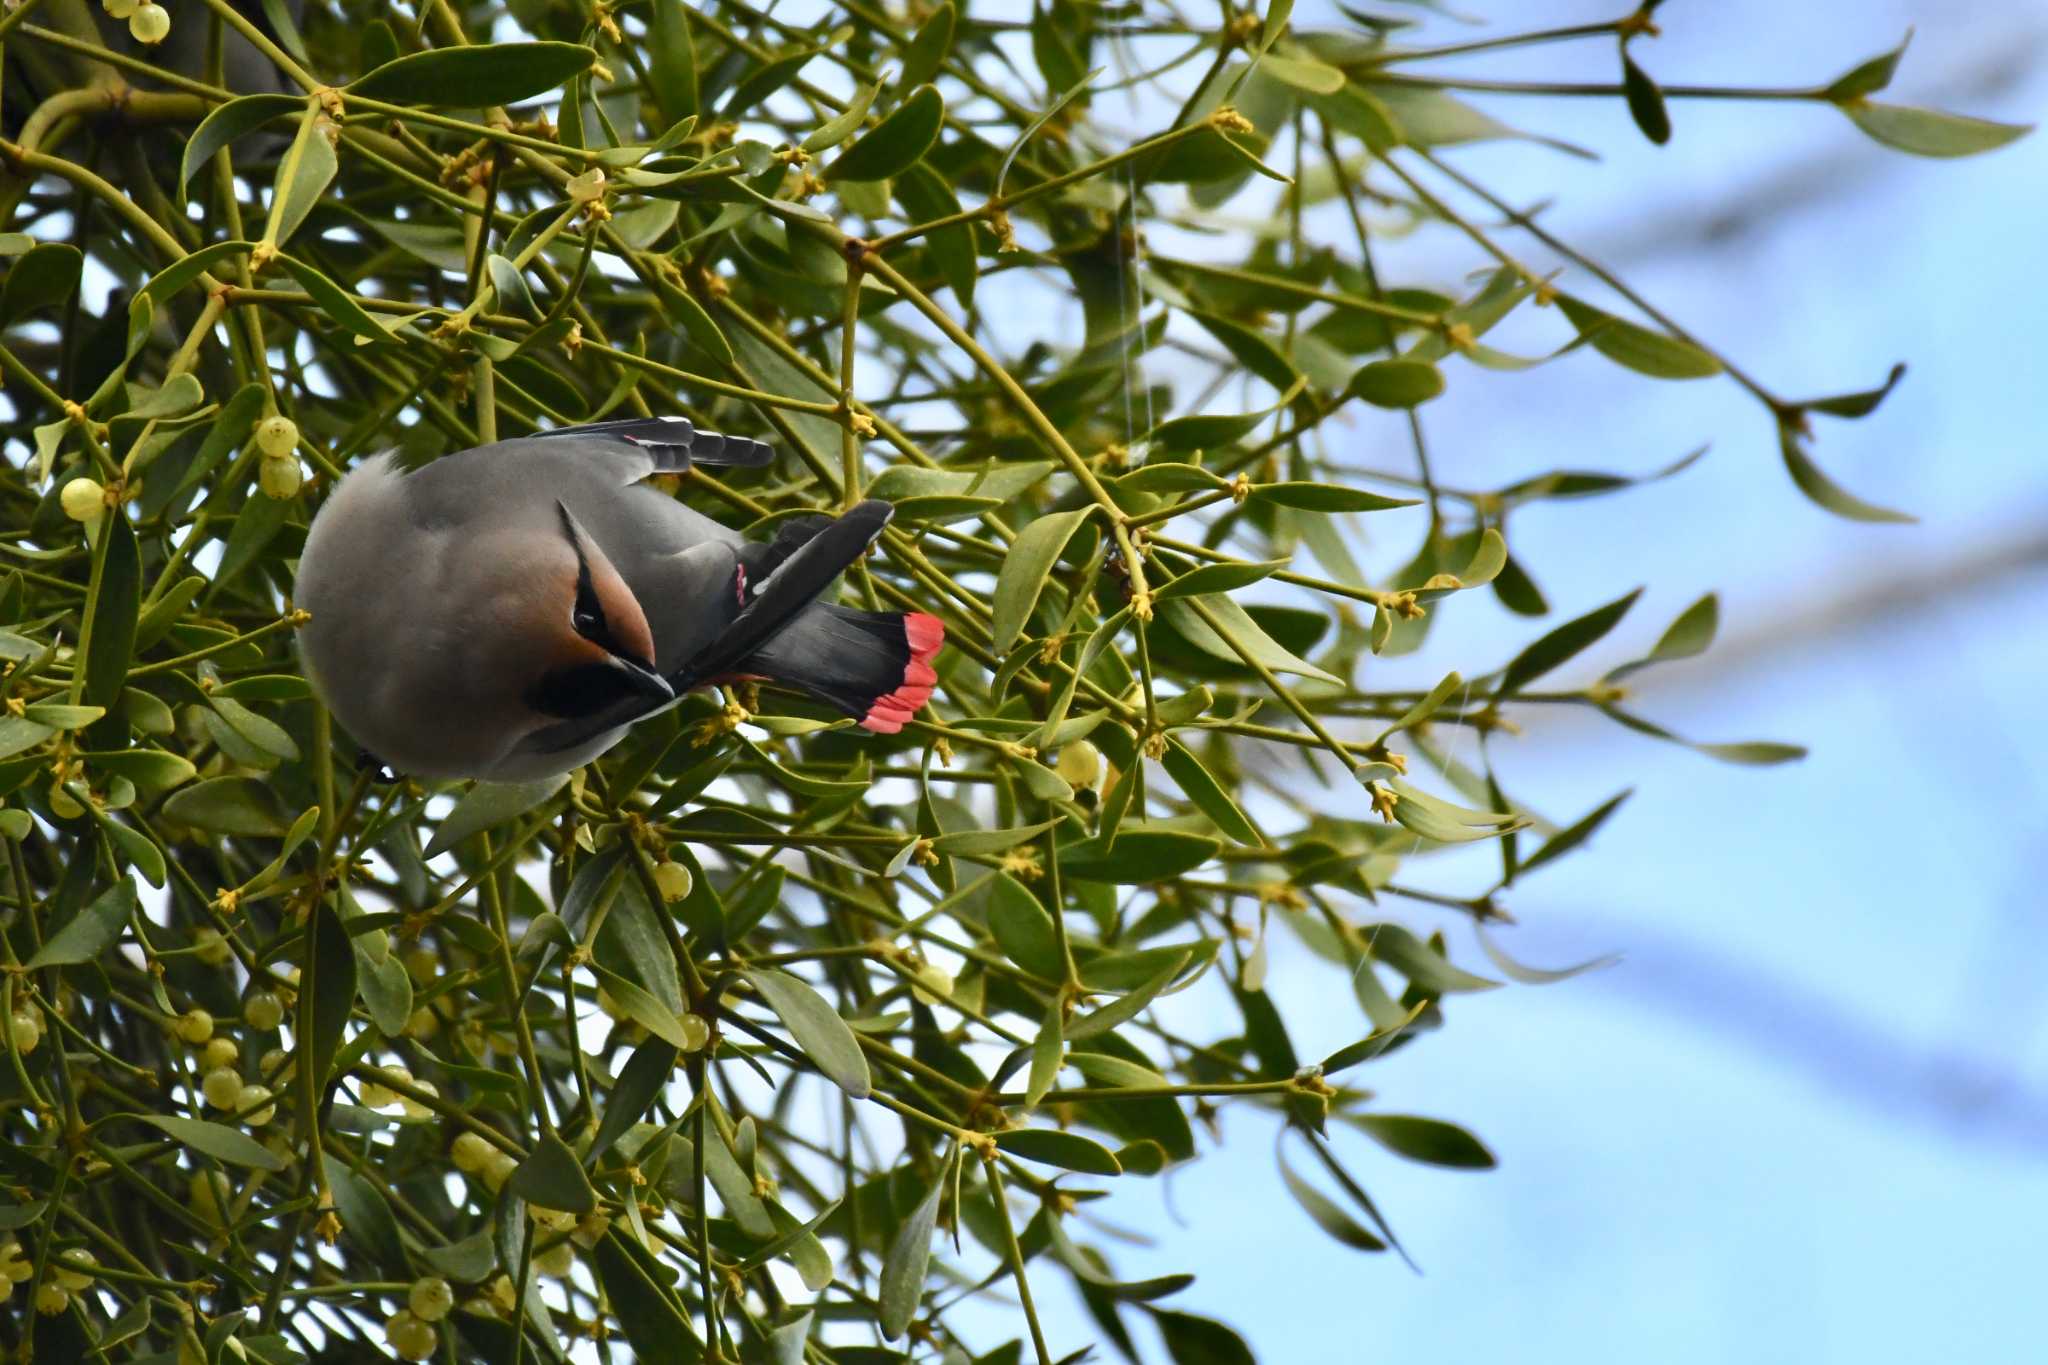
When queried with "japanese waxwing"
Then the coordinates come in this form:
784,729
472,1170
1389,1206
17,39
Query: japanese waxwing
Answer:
506,612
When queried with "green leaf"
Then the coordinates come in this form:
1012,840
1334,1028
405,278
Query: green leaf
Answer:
1126,1007
1331,1219
642,1006
59,716
488,805
1209,795
641,1082
365,1215
633,1279
1328,497
330,981
1182,615
1867,78
1638,348
928,49
672,61
331,299
1192,1340
88,933
1852,405
1023,929
927,197
216,1140
227,122
1140,854
1217,578
1047,1050
1426,1140
175,276
1029,563
1928,132
903,1272
303,176
43,277
552,1178
1825,491
816,1028
476,76
1052,1147
1565,840
895,144
836,130
1692,634
1304,74
1753,753
1562,644
1645,100
1396,383
18,733
117,603
1255,351
143,855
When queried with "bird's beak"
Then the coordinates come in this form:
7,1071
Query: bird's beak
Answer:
644,680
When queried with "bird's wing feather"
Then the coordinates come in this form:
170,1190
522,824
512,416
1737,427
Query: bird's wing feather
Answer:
672,443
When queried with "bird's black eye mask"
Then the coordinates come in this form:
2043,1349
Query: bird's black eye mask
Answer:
587,617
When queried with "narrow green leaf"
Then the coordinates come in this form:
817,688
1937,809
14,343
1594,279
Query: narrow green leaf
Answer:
1396,383
476,76
1139,855
1638,348
552,1178
1928,132
1426,1140
1127,1007
1209,795
1645,100
331,299
1824,490
896,143
1051,1146
816,1028
1565,840
836,130
88,933
44,277
903,1272
1331,1219
1304,74
226,122
488,805
330,980
1328,497
1562,644
1852,405
216,1140
308,168
1218,578
928,49
1029,563
1047,1050
1867,78
672,61
1690,635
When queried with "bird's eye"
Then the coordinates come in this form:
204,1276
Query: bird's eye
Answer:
585,620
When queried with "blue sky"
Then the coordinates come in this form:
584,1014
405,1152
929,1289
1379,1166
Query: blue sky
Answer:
1806,1116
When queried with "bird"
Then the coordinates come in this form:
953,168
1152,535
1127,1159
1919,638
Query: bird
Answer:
507,612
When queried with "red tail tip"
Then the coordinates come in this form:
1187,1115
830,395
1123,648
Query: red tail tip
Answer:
925,634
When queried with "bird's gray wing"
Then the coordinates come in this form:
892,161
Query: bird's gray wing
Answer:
672,443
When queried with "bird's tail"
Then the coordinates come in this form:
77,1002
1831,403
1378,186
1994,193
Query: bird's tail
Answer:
875,666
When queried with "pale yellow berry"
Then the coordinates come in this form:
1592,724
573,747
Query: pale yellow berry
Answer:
52,1299
195,1026
258,1095
119,9
410,1339
72,1279
556,1262
1080,764
280,479
223,1088
271,1061
414,1109
471,1153
262,1010
205,1199
378,1096
423,965
430,1299
83,500
63,804
15,1266
672,880
277,437
422,1023
502,1294
210,948
27,1029
552,1220
586,187
497,1170
590,1228
218,1052
933,984
151,23
696,1031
